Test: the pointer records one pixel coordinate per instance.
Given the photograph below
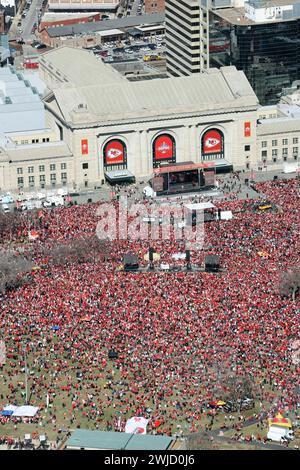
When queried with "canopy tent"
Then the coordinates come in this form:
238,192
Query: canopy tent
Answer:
25,410
226,215
280,421
199,206
217,403
136,425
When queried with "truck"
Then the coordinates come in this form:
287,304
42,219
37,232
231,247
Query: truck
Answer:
279,434
53,201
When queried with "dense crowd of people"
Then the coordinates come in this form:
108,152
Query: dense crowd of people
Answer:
178,335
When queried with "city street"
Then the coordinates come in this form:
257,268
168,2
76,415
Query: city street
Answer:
31,18
26,23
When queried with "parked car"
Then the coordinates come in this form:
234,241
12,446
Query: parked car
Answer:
5,208
40,46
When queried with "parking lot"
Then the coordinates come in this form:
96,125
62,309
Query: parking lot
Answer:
147,49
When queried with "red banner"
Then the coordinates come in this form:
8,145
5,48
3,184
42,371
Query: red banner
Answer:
163,148
84,147
212,142
247,129
114,152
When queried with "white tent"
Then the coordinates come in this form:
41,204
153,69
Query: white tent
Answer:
26,411
226,215
199,206
136,425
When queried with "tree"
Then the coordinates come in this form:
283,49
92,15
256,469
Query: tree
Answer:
289,284
12,268
239,388
79,250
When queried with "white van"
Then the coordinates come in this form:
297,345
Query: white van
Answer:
279,434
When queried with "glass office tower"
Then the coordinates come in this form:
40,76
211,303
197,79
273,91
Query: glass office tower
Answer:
268,52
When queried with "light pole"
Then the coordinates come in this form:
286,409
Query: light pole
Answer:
26,376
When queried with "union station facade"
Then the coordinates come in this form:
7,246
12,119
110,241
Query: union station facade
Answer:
105,124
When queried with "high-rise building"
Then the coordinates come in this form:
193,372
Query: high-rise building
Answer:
263,40
186,37
260,37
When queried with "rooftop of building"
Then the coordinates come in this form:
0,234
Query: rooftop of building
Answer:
84,438
94,92
237,16
287,119
120,23
63,16
35,151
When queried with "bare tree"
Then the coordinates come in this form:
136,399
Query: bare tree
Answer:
289,284
79,250
12,268
238,388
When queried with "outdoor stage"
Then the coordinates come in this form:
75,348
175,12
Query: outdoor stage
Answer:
184,177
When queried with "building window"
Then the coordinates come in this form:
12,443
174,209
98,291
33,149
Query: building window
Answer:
52,167
42,178
247,148
31,180
284,151
23,142
20,171
274,143
264,143
295,157
30,169
35,141
285,142
275,160
264,154
42,168
284,159
46,139
295,150
20,181
53,177
63,176
85,166
63,166
295,140
274,153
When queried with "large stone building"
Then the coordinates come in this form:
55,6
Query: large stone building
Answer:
104,123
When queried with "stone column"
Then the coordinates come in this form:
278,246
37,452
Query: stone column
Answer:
145,154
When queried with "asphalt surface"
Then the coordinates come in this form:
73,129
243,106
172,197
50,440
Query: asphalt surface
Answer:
27,22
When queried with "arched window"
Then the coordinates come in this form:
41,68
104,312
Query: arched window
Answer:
115,155
163,150
212,145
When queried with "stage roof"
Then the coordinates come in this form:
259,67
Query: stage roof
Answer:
186,166
200,206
